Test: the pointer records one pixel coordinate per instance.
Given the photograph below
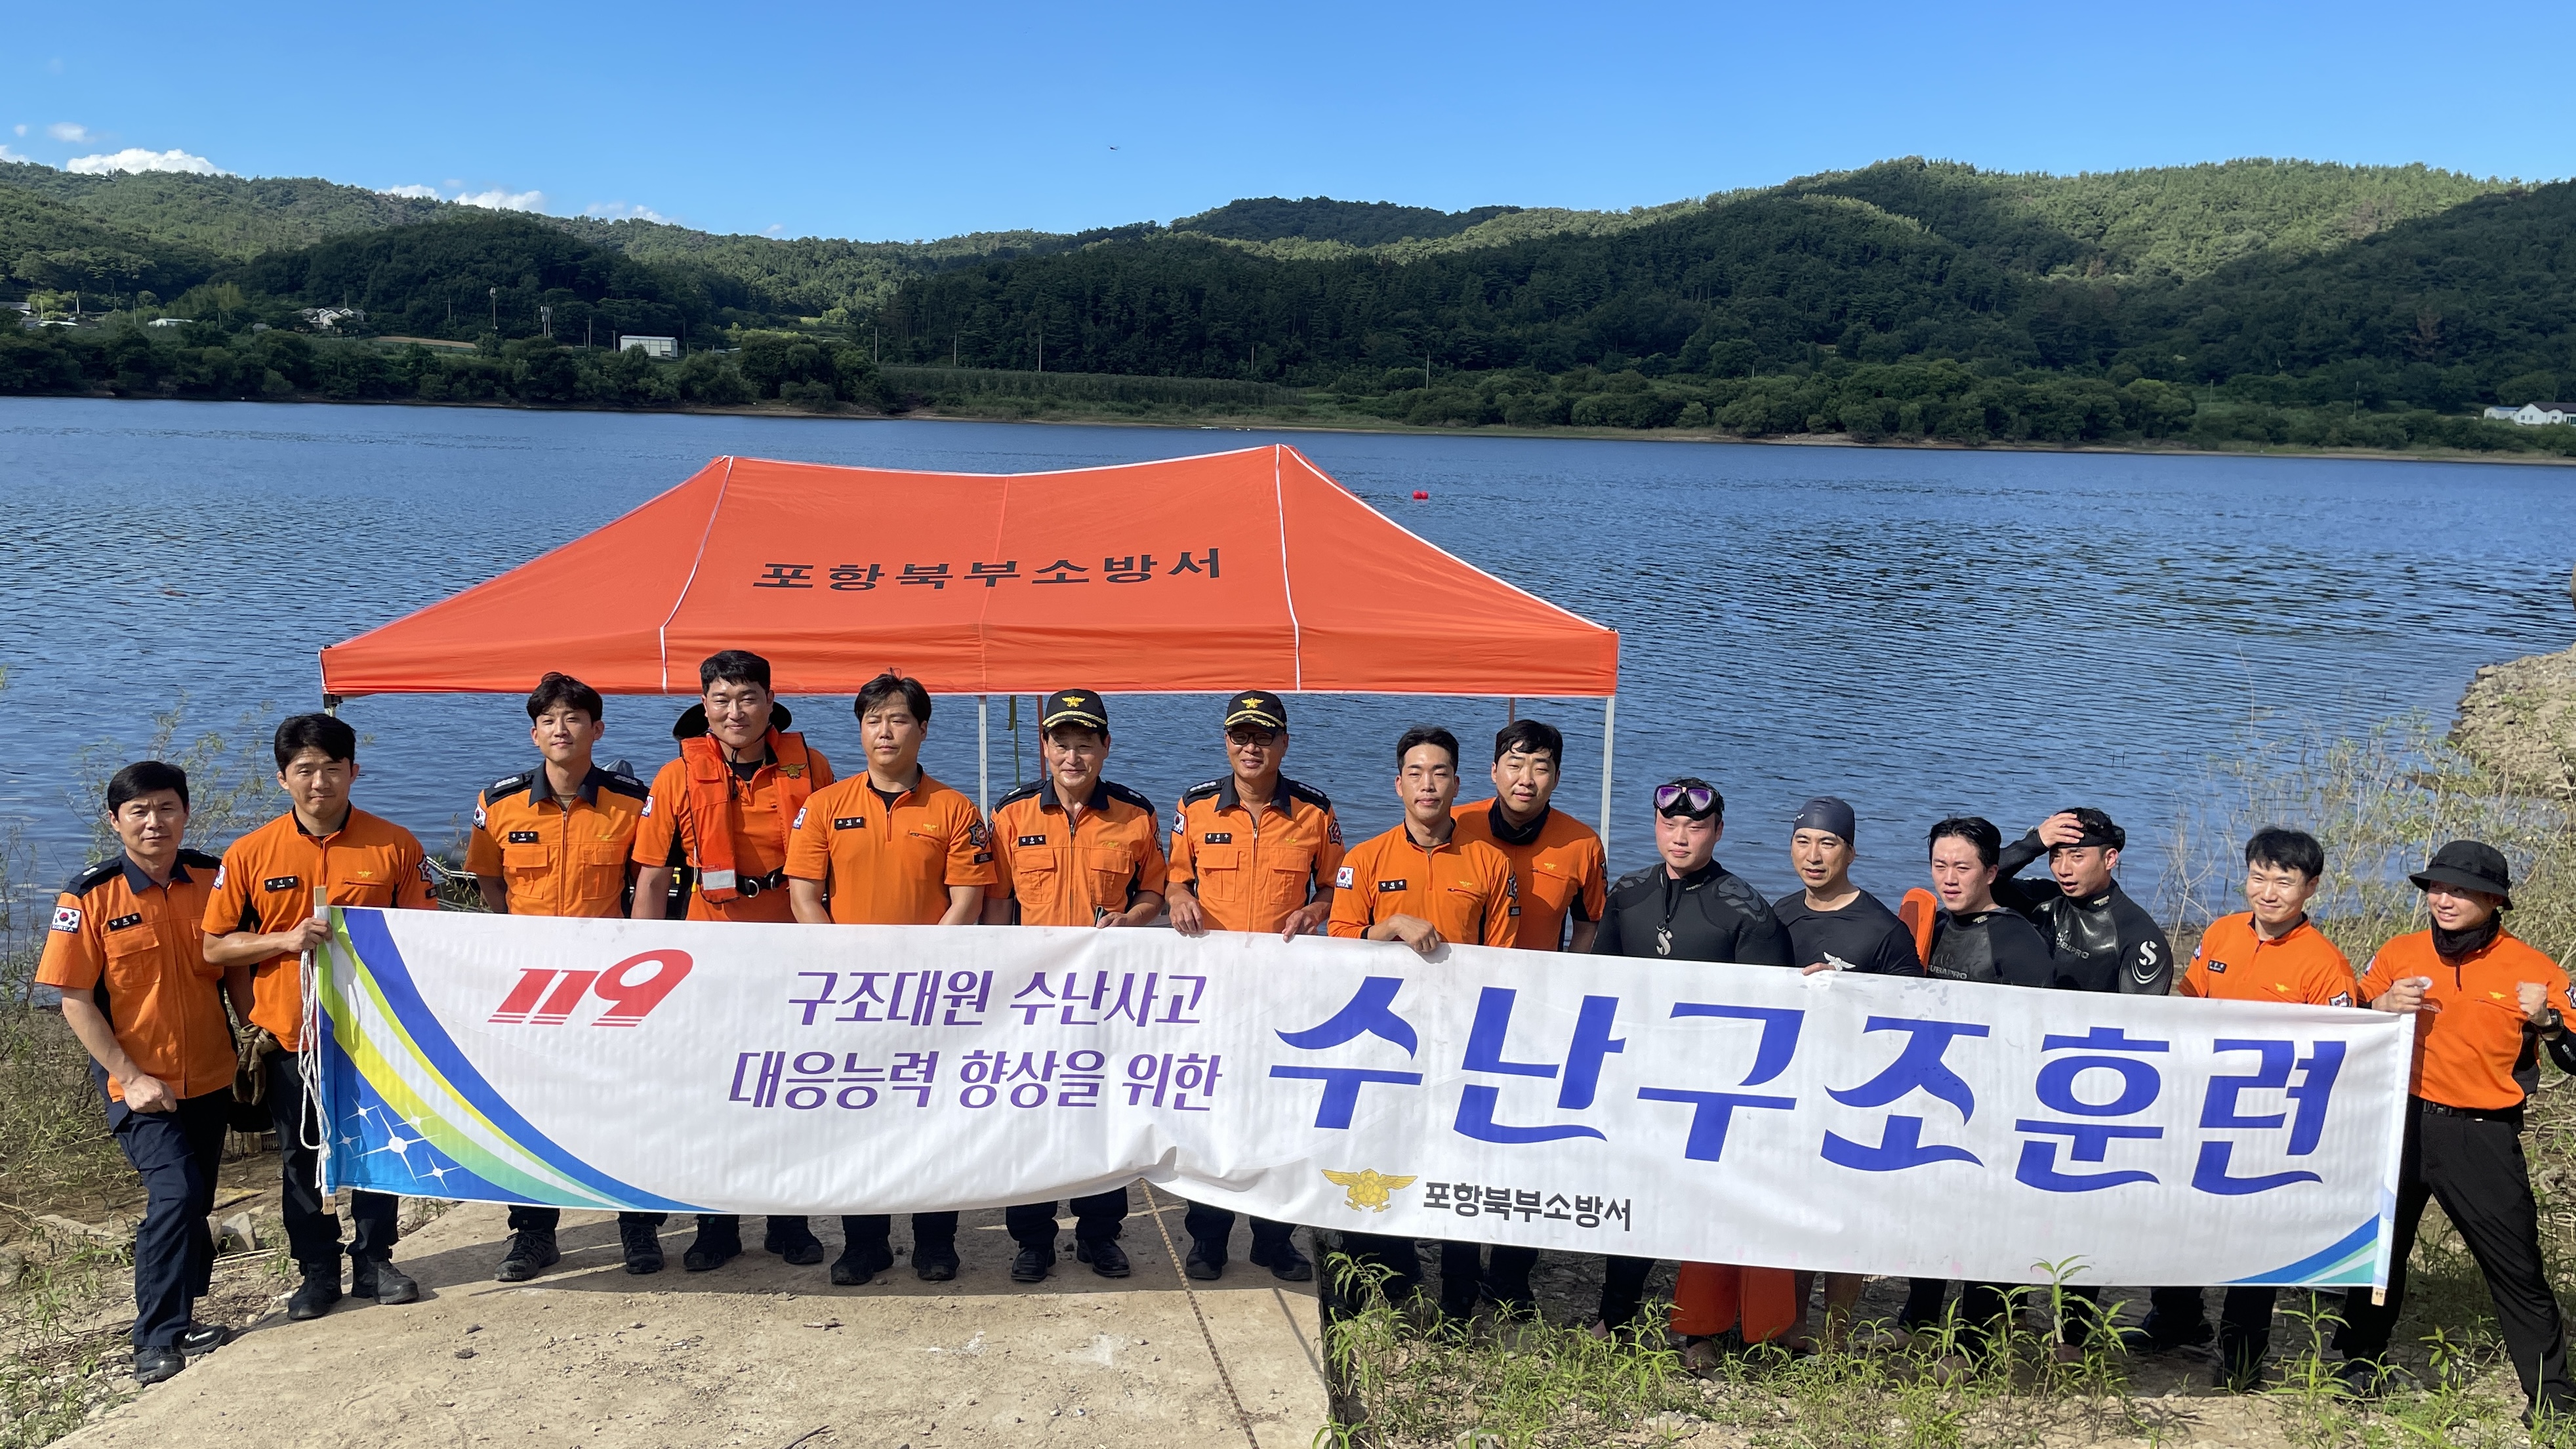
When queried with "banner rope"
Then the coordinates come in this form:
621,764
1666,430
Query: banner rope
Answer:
1155,1208
308,1057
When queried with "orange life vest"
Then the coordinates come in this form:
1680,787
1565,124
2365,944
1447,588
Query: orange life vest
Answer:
711,786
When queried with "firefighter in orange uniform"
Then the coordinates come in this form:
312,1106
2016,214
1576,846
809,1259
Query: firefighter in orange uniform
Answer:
261,920
127,952
1423,883
1252,850
891,846
559,840
2484,1004
725,809
1074,850
1558,874
2272,952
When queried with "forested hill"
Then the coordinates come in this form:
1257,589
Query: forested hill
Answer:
2396,268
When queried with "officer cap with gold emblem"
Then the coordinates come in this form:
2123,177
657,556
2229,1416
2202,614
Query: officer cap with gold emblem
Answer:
1074,707
1256,707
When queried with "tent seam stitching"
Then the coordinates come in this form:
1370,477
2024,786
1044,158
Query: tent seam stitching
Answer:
1287,586
662,635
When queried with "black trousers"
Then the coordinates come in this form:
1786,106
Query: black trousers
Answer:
1623,1289
1984,1307
1216,1225
545,1219
929,1230
1095,1219
312,1230
1466,1274
1398,1256
2473,1166
176,1152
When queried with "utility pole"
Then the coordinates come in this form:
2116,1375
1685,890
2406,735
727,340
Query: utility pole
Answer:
496,321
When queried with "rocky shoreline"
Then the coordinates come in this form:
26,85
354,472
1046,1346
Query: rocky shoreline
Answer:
2518,719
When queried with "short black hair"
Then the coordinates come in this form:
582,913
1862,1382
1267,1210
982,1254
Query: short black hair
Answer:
2292,849
300,732
733,666
1531,736
885,686
562,691
2099,824
1426,735
1977,830
145,777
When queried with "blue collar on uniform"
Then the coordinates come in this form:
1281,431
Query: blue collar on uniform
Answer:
541,789
137,881
1229,798
1099,794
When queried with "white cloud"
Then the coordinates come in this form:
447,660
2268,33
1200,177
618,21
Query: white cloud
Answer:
135,158
416,191
498,199
8,155
65,131
774,229
22,130
621,211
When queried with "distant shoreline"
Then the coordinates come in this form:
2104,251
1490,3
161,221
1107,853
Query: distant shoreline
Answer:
1226,422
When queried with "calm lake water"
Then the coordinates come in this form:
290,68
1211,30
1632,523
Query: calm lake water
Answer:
1923,633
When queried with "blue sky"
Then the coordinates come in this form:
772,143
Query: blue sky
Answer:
919,121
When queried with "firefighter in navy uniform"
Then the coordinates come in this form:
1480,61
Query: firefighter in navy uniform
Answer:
557,840
1074,850
1252,850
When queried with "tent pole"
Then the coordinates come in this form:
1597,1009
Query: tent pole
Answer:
984,753
1512,710
1609,722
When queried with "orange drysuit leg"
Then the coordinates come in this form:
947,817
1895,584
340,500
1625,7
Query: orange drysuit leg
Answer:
1711,1298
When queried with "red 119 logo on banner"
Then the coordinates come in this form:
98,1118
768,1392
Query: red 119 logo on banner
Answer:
546,996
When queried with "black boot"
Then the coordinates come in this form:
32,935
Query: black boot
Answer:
862,1261
719,1242
2240,1361
1105,1257
792,1240
314,1296
532,1251
641,1241
934,1262
379,1279
1283,1260
1206,1261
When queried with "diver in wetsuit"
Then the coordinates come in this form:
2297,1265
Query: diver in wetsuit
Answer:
2103,941
1973,939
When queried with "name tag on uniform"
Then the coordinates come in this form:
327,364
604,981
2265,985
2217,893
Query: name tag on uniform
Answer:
523,837
280,883
1390,885
2218,968
1033,840
121,922
1220,837
849,822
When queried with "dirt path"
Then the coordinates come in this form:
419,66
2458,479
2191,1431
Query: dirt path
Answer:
758,1353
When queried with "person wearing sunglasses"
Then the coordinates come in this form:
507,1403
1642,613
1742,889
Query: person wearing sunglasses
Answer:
1687,907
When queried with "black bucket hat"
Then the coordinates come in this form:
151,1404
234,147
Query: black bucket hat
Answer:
2471,865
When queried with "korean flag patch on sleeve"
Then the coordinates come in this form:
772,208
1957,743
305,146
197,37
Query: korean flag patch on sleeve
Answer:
800,819
1342,879
67,920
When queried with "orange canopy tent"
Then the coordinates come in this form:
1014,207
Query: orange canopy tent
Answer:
1206,574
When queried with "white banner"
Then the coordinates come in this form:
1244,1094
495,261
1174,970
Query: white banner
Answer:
1733,1114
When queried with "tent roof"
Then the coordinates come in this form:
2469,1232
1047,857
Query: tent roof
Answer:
1250,569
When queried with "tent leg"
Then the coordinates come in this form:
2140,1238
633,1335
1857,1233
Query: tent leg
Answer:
984,753
1609,724
1512,710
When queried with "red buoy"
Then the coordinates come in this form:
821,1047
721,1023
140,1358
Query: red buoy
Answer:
1420,494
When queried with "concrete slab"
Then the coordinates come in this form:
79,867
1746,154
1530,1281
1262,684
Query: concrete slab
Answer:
759,1353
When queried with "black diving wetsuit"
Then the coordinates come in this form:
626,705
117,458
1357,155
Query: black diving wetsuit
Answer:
2102,942
1708,915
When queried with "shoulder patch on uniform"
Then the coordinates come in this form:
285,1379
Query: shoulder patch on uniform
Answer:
1204,789
1307,793
1025,792
94,877
1132,797
67,920
510,784
1342,879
